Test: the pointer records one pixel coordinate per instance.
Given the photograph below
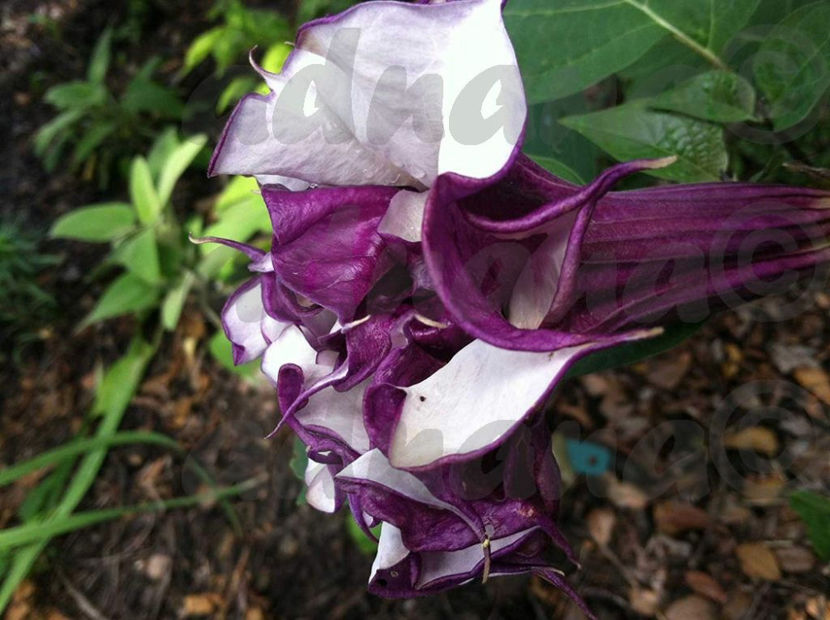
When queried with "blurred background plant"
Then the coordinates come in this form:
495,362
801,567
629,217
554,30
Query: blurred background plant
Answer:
103,128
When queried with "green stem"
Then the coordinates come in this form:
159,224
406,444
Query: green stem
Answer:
680,35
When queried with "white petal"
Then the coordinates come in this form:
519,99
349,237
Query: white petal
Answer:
291,347
391,550
386,93
537,284
243,321
439,564
320,482
405,216
473,402
339,412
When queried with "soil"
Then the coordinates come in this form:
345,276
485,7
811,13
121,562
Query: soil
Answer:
691,520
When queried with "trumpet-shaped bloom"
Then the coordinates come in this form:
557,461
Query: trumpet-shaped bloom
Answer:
428,286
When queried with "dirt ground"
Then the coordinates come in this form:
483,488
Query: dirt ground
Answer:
690,521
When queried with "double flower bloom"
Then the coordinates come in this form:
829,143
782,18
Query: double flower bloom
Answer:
428,285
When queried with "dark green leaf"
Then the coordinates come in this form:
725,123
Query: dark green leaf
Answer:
563,46
140,256
100,61
47,136
366,545
97,223
128,293
92,139
145,95
718,96
556,167
792,67
627,354
76,95
814,510
631,131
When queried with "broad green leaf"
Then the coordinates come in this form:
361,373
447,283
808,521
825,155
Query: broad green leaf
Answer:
143,192
97,223
663,66
201,48
631,353
176,163
128,293
773,11
140,256
708,23
171,307
100,61
718,96
76,95
546,138
46,136
564,46
792,66
814,510
631,131
558,168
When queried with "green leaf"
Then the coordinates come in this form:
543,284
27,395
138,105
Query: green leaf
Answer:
47,135
220,348
239,189
122,381
140,256
127,294
92,139
145,95
234,91
558,168
631,353
718,96
564,46
96,223
100,61
366,545
164,144
76,95
631,131
78,447
36,532
201,48
176,163
143,193
240,221
792,66
814,510
171,307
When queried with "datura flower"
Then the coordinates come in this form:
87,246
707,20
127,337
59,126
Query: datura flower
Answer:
428,286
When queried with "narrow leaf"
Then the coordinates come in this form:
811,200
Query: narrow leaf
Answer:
171,307
127,294
140,256
176,163
100,61
143,192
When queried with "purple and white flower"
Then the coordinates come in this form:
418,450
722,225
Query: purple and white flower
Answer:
428,286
